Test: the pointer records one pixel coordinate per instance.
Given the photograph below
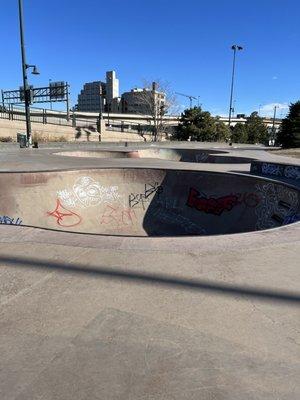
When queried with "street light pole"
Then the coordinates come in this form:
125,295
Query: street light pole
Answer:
25,79
235,48
100,117
259,108
273,125
25,67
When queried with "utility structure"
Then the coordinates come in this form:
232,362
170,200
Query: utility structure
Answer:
235,48
25,67
273,124
100,118
50,80
189,97
154,111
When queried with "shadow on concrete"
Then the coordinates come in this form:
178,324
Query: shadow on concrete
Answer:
84,130
223,289
188,203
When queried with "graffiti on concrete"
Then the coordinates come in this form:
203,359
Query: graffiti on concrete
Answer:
177,220
290,219
277,203
270,169
140,200
87,192
67,198
64,217
292,172
6,220
286,171
201,157
117,216
168,203
211,205
249,199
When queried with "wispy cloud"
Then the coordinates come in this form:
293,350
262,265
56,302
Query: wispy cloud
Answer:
274,77
268,109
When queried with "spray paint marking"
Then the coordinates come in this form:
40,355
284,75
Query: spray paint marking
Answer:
64,217
5,220
211,205
118,216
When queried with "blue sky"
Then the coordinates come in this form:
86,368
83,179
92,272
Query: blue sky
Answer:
186,43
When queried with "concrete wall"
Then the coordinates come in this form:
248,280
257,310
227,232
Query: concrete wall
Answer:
146,202
50,132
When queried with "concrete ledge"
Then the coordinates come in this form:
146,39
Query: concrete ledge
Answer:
48,132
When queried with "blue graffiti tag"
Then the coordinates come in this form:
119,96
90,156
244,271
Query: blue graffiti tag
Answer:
4,219
290,219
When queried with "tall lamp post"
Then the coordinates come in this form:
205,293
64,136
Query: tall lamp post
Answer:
235,48
273,125
25,67
100,117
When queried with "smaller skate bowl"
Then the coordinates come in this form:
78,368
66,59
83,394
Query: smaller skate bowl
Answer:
146,202
184,155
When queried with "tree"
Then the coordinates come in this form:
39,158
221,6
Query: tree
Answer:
156,100
289,133
239,133
222,133
196,125
256,129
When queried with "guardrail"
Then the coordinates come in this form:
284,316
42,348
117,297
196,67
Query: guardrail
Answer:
44,116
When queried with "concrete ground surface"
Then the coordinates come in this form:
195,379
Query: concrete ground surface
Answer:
101,317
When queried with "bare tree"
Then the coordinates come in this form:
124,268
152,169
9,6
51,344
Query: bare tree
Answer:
158,102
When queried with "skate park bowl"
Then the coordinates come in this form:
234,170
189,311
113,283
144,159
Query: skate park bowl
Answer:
146,202
184,155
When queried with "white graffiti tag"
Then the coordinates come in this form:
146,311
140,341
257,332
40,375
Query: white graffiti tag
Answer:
67,198
277,203
87,192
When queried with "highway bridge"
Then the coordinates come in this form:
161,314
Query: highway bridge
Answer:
61,117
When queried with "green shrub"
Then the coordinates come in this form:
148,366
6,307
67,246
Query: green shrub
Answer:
6,139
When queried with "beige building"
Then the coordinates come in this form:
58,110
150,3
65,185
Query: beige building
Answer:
98,95
143,101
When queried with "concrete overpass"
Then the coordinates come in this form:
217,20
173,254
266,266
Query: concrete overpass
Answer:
51,116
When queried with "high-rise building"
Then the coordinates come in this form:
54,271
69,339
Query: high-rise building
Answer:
92,97
112,88
99,96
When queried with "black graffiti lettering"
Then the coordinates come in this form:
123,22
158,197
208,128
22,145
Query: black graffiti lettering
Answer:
141,199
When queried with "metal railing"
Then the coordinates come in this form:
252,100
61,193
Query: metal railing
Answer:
75,120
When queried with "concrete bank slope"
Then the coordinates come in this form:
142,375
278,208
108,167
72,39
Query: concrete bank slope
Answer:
146,202
149,318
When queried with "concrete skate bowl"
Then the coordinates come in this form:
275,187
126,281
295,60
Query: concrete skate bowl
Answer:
184,155
146,202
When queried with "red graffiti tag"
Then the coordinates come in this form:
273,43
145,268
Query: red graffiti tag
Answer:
64,217
117,216
211,205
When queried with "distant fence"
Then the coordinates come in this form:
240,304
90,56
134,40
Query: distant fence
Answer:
43,116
